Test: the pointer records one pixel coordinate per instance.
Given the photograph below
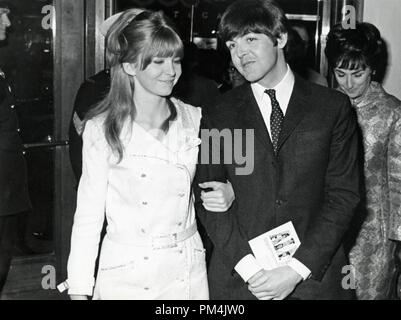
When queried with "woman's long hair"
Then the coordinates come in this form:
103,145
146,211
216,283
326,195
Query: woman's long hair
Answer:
136,37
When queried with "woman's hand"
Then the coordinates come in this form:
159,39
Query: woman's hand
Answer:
78,297
220,198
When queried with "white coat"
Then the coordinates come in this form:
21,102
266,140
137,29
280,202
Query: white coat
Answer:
146,196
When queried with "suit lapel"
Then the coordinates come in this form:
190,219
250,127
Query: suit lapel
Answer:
297,108
251,117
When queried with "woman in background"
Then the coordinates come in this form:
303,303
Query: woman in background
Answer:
354,55
140,149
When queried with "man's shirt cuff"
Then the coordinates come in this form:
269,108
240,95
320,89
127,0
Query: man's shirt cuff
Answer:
299,268
247,267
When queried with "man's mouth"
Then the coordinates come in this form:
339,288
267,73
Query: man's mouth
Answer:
246,64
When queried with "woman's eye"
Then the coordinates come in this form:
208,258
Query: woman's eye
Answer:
340,75
230,46
251,39
158,61
177,61
358,75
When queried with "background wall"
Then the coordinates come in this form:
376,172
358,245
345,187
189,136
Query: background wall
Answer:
386,15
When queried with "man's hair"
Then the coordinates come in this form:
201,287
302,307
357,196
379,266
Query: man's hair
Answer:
5,5
258,16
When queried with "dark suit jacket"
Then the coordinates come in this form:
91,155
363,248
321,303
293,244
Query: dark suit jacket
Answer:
91,92
313,182
14,197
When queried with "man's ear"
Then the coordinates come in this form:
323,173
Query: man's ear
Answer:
129,68
282,40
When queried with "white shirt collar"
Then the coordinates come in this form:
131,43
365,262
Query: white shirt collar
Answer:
283,90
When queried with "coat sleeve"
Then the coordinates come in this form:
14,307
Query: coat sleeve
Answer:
394,179
90,212
341,195
222,228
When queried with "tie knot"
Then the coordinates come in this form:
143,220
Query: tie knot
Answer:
271,93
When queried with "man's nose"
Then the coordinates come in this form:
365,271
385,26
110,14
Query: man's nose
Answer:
5,20
241,50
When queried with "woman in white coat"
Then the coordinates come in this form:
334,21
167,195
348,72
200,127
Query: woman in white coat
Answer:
140,150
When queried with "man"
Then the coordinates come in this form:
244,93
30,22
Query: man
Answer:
92,91
14,197
305,167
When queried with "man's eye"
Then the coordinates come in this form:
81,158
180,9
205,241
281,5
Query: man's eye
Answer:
251,39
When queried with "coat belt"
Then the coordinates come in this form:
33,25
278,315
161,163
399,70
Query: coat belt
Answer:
157,242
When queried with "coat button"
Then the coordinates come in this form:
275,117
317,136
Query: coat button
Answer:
145,203
12,107
143,175
146,258
279,203
182,195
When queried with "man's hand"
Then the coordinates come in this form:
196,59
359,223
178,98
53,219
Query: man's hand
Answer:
220,198
276,284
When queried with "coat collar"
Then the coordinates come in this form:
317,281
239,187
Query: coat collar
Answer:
181,136
250,116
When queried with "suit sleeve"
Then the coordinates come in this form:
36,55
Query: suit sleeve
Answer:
341,191
222,228
87,96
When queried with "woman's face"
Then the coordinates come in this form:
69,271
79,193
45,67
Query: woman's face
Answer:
353,83
160,76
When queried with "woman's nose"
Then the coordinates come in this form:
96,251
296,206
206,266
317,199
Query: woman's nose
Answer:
349,82
169,68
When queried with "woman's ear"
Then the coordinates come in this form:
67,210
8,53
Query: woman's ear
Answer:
129,68
282,40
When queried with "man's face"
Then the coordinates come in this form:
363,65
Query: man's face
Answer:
256,57
4,23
